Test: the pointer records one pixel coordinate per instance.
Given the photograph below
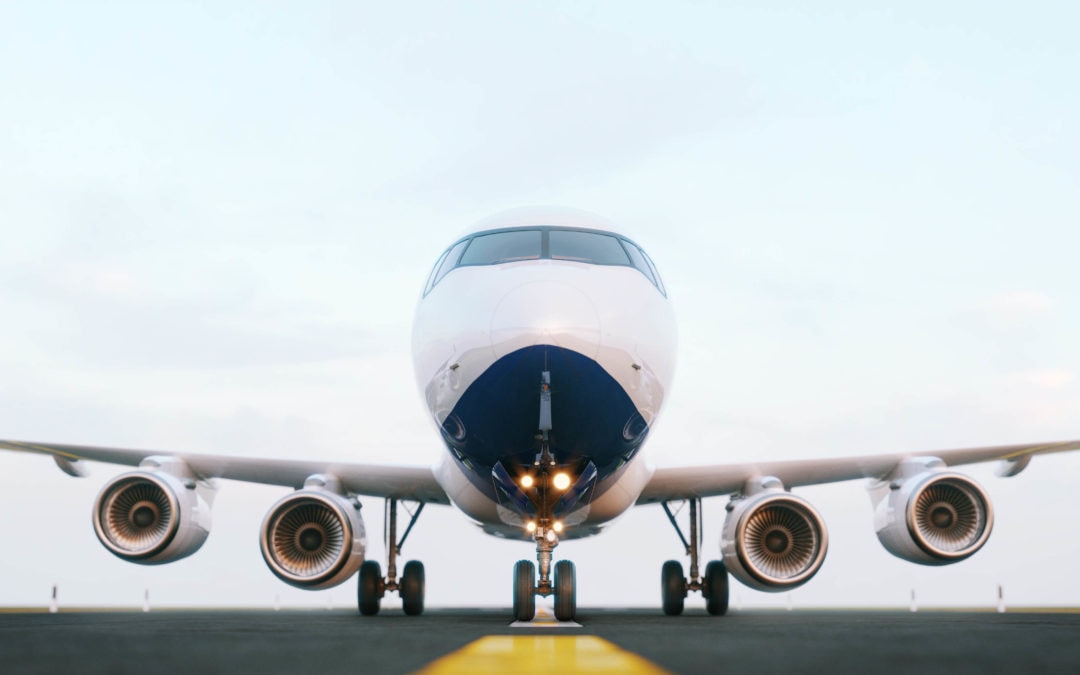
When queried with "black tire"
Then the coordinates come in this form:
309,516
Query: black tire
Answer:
524,590
369,587
715,588
412,588
673,588
565,591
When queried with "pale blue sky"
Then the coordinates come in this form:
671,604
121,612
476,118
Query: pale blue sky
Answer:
216,219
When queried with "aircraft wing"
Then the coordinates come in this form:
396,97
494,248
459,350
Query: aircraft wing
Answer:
720,479
376,480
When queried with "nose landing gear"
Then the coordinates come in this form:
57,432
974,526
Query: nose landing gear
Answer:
546,480
560,582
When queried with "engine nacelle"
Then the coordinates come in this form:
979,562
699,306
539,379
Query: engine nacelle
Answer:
151,517
935,517
773,540
313,538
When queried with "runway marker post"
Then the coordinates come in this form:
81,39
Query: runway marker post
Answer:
146,600
53,606
1001,599
914,605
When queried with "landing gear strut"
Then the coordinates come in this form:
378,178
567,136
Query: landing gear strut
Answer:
560,582
674,587
545,528
372,586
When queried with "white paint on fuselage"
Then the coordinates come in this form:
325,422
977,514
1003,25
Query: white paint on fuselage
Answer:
613,315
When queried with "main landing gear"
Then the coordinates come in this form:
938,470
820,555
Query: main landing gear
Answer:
674,587
371,586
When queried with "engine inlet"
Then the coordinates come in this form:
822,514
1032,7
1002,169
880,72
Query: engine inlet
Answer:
307,538
312,539
950,518
780,541
775,541
135,517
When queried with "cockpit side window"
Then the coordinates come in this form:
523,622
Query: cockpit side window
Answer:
656,275
638,258
586,247
503,247
450,261
434,271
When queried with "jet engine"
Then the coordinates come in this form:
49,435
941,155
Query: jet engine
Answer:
313,538
773,540
151,516
935,517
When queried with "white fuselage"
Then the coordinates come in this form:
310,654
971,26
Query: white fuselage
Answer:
484,333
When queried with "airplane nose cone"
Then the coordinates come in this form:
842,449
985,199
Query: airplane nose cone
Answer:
545,313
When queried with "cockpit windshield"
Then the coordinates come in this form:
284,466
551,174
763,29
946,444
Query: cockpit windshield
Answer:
503,247
586,247
553,243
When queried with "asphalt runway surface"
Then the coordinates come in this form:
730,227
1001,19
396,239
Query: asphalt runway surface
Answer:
341,641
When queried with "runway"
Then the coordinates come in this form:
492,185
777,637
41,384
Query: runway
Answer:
452,640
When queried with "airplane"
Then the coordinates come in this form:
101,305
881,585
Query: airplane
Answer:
544,347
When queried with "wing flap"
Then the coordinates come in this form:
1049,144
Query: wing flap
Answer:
720,479
375,480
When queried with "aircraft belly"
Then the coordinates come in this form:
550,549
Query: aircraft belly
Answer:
495,419
617,497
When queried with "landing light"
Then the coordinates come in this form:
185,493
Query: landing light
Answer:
561,481
527,481
551,536
530,526
557,526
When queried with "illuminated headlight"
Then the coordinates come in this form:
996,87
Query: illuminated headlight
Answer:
561,481
527,481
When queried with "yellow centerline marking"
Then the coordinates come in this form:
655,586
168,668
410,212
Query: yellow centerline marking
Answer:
545,618
541,654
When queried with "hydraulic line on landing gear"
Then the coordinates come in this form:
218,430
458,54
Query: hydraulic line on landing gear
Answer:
713,585
551,491
692,546
393,548
544,534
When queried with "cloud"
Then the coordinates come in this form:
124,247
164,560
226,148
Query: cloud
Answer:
1047,379
105,317
1019,305
89,281
1016,309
